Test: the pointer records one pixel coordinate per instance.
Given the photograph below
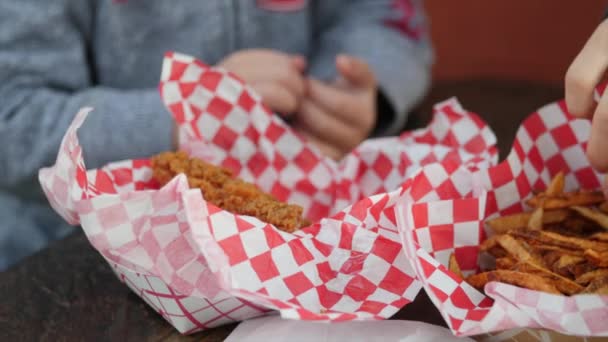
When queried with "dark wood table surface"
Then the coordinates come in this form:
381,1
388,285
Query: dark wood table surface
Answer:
68,293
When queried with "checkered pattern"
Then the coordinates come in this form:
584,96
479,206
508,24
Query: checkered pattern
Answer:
447,205
348,266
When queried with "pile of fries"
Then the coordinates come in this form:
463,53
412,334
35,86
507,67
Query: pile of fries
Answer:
559,247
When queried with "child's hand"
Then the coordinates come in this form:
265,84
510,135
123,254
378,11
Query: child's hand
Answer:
337,117
277,77
582,77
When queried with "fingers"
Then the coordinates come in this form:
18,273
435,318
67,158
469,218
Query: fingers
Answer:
598,156
586,71
327,127
325,148
341,102
277,97
355,71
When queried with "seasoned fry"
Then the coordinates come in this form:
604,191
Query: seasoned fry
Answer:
604,207
454,266
504,224
567,200
597,258
598,285
536,220
586,278
505,263
564,264
556,186
560,250
593,215
563,284
560,240
519,251
527,280
580,269
601,236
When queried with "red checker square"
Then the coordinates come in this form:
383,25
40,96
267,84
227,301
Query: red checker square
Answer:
274,131
317,211
372,307
186,88
534,126
300,253
141,163
177,70
232,164
305,186
501,174
442,296
280,191
442,236
210,79
564,136
421,187
465,210
252,134
461,299
327,298
177,110
264,266
377,208
246,101
522,183
112,216
467,257
519,150
396,281
81,178
306,160
587,179
354,264
225,138
382,166
233,247
347,232
556,164
477,314
455,322
595,319
389,213
359,288
219,108
325,272
536,159
476,145
122,176
420,214
298,283
104,183
243,225
512,209
386,249
179,252
279,162
257,164
273,238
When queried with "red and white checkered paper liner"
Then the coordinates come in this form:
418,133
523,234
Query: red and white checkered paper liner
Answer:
174,248
439,223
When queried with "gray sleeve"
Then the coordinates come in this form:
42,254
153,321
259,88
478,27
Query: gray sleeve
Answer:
46,78
391,36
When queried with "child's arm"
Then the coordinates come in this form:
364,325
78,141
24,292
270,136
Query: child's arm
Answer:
45,78
390,35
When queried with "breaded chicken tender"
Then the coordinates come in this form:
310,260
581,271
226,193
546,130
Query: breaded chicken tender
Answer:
221,188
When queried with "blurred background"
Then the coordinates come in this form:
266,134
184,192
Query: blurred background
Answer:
515,40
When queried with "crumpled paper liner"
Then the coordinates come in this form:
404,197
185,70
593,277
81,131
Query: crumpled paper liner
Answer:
185,256
438,223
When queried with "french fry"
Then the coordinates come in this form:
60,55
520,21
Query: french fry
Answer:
580,269
454,266
567,200
519,251
564,264
598,285
563,284
491,247
560,250
601,236
593,215
586,278
505,224
597,258
556,186
555,239
604,207
536,220
505,263
526,280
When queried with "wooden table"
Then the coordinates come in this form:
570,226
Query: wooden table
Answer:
67,292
